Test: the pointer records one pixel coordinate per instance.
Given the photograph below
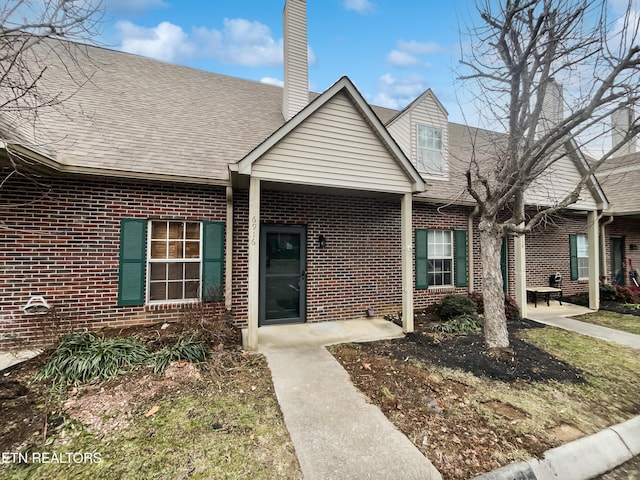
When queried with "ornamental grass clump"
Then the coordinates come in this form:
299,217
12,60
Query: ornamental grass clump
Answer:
193,350
460,325
85,358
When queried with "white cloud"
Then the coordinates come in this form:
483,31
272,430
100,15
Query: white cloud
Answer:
272,81
167,42
419,48
407,54
360,6
398,92
239,42
402,59
131,8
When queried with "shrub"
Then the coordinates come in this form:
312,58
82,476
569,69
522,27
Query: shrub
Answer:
85,357
627,295
607,292
462,324
511,308
454,305
189,349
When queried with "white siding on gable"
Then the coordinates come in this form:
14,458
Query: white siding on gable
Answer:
555,183
334,147
404,130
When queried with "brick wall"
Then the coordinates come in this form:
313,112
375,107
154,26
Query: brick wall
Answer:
60,240
360,266
547,252
426,215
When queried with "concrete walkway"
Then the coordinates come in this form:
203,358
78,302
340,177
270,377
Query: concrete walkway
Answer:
335,432
556,316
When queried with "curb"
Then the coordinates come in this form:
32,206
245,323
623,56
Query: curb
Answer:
581,459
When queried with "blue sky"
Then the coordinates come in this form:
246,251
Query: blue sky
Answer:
392,50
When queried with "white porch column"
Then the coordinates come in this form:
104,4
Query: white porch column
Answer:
407,262
594,260
521,273
253,287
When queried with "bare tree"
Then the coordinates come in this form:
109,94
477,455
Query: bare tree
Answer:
31,31
514,62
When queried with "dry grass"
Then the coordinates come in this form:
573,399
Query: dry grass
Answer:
618,321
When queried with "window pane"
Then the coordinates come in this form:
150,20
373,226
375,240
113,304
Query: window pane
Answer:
174,291
192,271
191,289
159,230
157,291
175,271
176,230
193,231
159,249
192,249
175,250
158,271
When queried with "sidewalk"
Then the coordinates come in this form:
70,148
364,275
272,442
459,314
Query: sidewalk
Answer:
335,432
556,316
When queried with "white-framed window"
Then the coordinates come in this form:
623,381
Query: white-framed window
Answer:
429,149
582,251
174,260
440,263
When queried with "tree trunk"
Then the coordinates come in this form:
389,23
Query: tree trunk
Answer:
495,321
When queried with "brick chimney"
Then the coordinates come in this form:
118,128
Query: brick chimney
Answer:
621,121
296,76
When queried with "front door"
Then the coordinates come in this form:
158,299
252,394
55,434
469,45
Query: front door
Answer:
282,274
617,260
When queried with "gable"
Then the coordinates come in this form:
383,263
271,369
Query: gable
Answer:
428,111
556,182
336,141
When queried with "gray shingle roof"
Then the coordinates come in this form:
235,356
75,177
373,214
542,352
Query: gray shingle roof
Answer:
138,115
620,179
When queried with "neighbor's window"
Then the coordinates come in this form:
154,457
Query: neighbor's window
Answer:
583,256
174,260
430,149
440,263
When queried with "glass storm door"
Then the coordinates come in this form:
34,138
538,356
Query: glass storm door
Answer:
617,260
282,274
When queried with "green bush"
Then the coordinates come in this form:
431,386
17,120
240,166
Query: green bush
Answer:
85,357
607,292
511,308
462,324
454,305
189,349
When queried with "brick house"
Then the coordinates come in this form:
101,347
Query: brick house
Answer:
158,186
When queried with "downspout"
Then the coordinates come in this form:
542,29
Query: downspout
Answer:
603,243
470,258
228,259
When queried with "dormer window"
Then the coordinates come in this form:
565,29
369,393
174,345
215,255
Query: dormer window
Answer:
430,150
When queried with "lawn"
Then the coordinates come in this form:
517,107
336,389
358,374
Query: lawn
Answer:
470,413
618,321
218,419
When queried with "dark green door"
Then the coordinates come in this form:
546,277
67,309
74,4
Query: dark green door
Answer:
282,274
617,261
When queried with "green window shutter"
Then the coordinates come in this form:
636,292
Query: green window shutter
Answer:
460,237
573,256
422,258
212,261
132,264
503,265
